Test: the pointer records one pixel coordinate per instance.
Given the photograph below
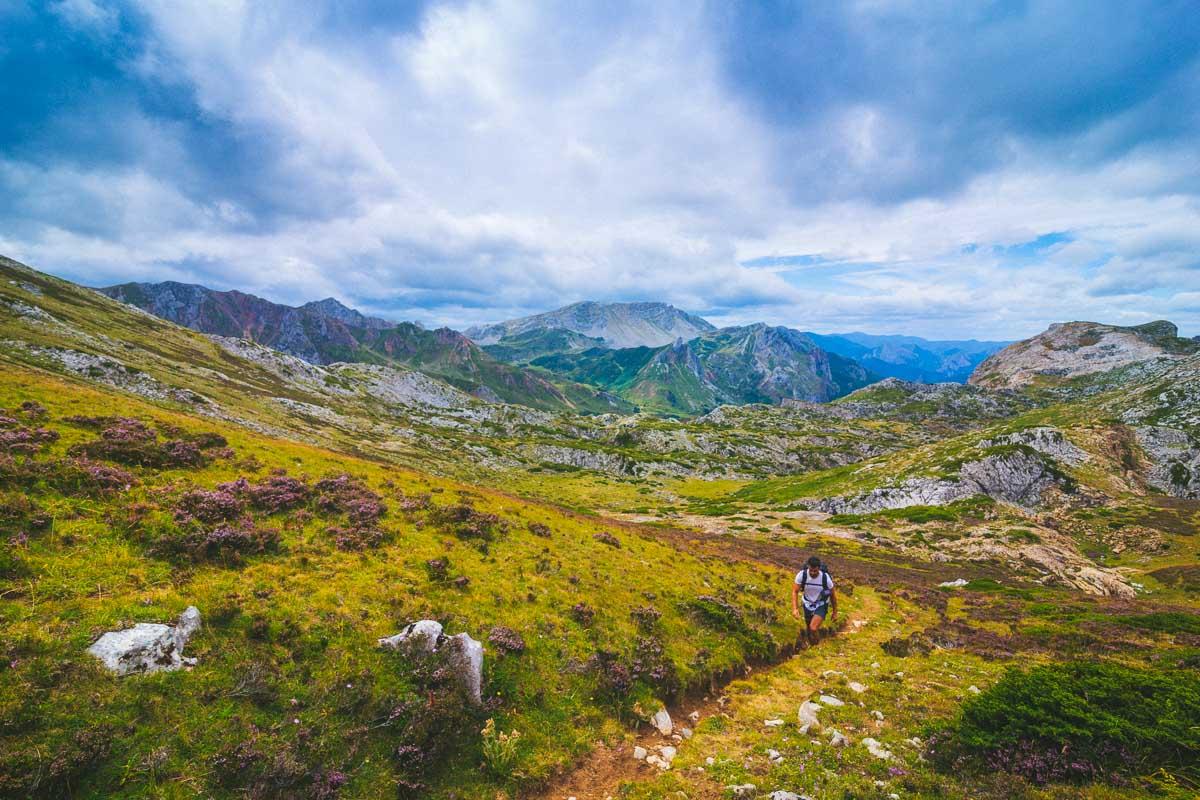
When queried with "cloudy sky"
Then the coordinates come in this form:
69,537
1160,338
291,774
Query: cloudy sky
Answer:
945,169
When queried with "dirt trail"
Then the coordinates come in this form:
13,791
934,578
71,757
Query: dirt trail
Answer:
602,772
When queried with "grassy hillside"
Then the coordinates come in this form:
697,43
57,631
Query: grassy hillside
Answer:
290,693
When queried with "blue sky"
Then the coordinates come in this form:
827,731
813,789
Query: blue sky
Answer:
946,169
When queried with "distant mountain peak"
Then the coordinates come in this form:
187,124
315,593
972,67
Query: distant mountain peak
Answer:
632,324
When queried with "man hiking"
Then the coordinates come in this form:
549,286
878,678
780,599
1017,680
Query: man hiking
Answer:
820,600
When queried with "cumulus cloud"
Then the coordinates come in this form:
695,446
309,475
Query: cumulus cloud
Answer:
879,166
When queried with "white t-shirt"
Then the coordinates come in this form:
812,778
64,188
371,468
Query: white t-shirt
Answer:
814,588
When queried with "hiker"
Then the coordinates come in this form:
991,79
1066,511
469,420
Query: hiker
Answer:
819,598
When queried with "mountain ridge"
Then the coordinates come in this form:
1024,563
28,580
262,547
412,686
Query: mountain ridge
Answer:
651,324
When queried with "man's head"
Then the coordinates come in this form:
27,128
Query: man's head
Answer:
814,566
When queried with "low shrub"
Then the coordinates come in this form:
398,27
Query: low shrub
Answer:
279,492
604,537
209,506
505,640
1078,721
465,522
229,542
87,478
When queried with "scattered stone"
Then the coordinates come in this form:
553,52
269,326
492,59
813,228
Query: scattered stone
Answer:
954,584
877,715
973,689
710,761
772,723
807,716
830,700
148,646
662,722
667,753
831,673
686,732
779,794
742,789
856,687
694,716
876,749
640,753
914,741
656,761
837,739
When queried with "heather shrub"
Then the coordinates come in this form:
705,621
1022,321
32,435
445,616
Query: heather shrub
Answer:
430,723
505,640
604,537
465,522
1078,721
84,477
349,495
646,617
614,681
265,768
279,492
539,529
437,569
26,441
209,506
355,537
583,614
650,664
228,542
131,442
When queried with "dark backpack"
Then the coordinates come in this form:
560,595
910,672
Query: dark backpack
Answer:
825,590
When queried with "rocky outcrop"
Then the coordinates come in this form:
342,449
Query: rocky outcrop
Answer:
1070,349
1045,440
148,646
464,654
1017,477
1173,460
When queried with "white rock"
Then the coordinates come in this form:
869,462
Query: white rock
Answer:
662,722
830,673
743,790
148,646
667,753
829,700
973,689
694,716
710,761
877,715
426,633
914,741
656,761
773,754
779,794
954,584
874,665
876,749
837,739
465,653
807,716
686,732
856,687
772,723
640,753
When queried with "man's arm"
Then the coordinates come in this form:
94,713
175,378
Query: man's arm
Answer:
832,603
795,600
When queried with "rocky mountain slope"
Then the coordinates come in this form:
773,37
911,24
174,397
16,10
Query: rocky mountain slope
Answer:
1073,349
325,332
618,324
910,357
751,364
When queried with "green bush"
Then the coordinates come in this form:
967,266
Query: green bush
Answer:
1079,721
